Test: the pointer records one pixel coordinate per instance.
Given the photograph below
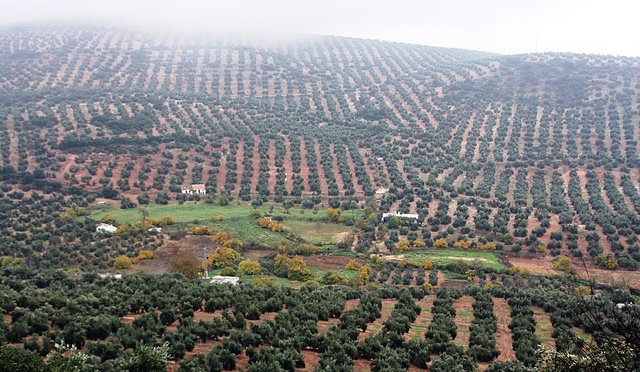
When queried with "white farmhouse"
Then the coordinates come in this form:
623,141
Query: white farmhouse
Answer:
109,275
408,216
198,188
218,279
106,228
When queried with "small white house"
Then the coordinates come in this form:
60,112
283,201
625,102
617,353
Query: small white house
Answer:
621,306
198,188
106,228
408,216
218,279
108,275
155,230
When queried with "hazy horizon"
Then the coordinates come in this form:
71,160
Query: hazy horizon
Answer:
497,26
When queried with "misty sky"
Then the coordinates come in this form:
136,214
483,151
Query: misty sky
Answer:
502,26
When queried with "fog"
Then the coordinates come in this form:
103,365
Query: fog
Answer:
502,26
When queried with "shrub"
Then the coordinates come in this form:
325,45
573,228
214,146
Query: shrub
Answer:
333,278
268,223
264,281
462,244
202,230
403,246
187,265
222,257
333,215
562,263
107,218
228,271
168,220
221,237
352,265
293,268
122,263
145,254
249,267
608,262
441,243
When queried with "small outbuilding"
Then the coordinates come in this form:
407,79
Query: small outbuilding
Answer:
622,305
218,279
106,228
198,188
407,216
109,275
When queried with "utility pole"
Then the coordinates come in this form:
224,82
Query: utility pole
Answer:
206,257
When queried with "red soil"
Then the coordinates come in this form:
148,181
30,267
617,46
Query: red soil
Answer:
256,163
240,165
288,166
311,359
352,169
336,168
272,165
329,262
304,165
375,327
504,343
222,169
324,187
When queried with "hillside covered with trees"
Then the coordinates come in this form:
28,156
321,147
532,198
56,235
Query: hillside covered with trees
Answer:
511,184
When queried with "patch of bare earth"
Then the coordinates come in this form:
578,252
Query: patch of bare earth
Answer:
329,262
257,253
630,279
375,327
311,359
323,325
362,365
272,166
242,362
288,166
351,304
304,165
419,327
464,316
504,342
537,266
164,256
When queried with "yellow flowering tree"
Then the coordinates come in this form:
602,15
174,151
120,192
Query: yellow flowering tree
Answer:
250,267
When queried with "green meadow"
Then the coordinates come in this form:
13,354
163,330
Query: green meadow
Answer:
447,256
239,220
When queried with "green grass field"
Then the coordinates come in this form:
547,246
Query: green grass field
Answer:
238,221
447,256
187,212
317,232
318,273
